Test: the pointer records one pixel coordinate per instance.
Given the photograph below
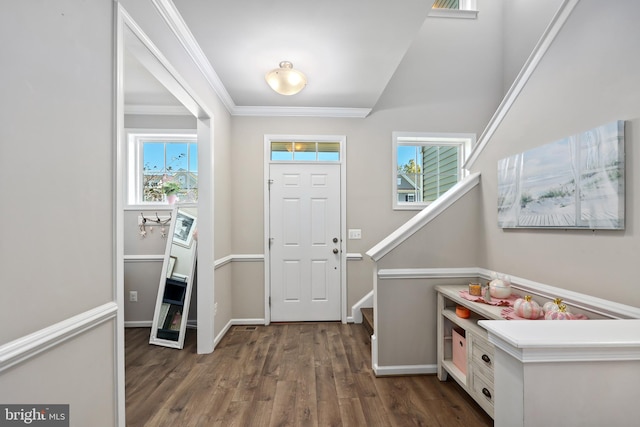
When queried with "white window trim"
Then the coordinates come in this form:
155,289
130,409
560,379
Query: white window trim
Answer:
468,10
133,175
465,140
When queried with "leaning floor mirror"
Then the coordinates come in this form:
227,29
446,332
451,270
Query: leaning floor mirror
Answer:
176,280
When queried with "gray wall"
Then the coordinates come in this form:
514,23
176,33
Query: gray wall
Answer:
450,240
588,78
457,93
56,151
143,275
524,23
459,237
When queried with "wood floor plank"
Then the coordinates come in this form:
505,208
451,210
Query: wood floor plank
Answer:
397,397
251,375
265,390
325,384
374,412
276,348
342,373
321,346
283,412
304,374
260,414
329,413
237,415
306,396
351,413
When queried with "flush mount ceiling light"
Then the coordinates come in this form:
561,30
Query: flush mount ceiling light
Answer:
285,80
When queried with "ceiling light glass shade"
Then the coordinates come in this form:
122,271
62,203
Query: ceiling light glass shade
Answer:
285,80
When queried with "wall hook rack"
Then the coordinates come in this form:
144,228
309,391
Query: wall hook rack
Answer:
160,220
143,222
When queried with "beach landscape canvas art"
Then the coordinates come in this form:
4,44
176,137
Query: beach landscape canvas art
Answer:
576,182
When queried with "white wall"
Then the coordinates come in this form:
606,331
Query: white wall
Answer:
56,165
587,78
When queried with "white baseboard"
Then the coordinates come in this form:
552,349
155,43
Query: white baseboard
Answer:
138,324
365,302
222,333
381,371
191,324
247,322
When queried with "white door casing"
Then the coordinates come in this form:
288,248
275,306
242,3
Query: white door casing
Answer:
305,241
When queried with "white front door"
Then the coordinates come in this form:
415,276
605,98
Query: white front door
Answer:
305,242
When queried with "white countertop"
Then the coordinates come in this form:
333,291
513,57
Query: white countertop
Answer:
570,340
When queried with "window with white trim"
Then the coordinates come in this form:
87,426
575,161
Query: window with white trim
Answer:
455,4
426,165
454,9
155,161
305,151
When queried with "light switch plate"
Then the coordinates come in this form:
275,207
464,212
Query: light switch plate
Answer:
355,233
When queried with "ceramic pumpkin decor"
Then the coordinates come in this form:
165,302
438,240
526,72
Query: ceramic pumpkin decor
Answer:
552,305
560,314
500,286
527,308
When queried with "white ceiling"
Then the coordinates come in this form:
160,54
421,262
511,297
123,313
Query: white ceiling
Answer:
348,49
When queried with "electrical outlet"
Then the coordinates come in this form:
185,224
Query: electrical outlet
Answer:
215,308
133,296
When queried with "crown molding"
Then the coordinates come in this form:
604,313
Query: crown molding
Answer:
353,113
174,20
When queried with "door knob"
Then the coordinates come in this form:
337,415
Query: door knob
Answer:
335,250
335,240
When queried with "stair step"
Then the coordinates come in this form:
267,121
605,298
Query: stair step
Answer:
367,319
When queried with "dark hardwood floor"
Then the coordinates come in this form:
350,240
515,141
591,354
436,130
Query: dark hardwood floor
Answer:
308,374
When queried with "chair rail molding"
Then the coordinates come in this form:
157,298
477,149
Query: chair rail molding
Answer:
28,346
602,307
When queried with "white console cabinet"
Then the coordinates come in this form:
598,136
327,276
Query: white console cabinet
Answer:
566,373
554,373
477,374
